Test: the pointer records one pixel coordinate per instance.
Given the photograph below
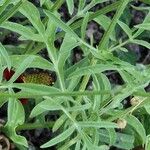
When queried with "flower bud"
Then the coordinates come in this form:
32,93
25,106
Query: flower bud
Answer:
121,123
135,101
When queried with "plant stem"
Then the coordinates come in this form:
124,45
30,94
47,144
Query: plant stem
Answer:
61,79
85,81
3,7
120,45
88,7
77,93
57,5
105,39
12,11
31,126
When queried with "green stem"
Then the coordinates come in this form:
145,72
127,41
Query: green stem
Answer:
10,13
120,45
53,56
29,47
142,94
102,45
3,7
88,7
85,80
51,51
57,5
60,78
36,49
31,126
73,20
31,95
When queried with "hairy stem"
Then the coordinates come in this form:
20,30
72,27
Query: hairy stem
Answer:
102,45
31,126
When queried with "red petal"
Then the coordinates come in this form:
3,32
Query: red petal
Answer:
8,74
19,79
24,101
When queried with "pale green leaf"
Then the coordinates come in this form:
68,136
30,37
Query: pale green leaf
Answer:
105,22
147,145
5,55
16,116
3,5
82,63
68,44
105,40
32,13
35,88
145,26
81,5
123,141
137,126
112,135
2,101
116,99
123,49
142,43
93,69
24,31
61,137
69,144
38,62
99,124
146,20
77,147
59,122
42,2
61,24
147,108
21,68
84,26
125,28
1,71
70,5
46,105
79,108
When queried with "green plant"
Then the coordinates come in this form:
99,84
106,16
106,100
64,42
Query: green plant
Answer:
87,118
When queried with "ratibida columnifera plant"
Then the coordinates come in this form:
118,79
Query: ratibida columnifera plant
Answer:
66,69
